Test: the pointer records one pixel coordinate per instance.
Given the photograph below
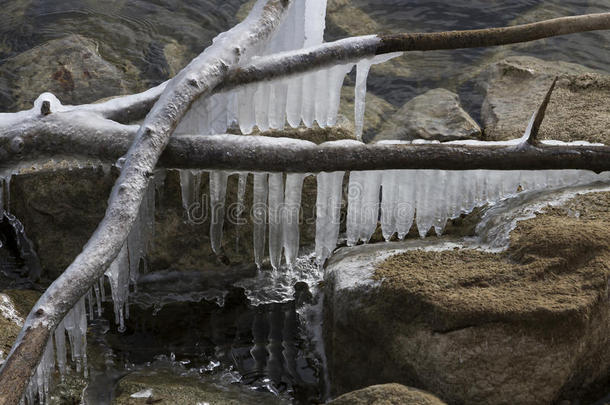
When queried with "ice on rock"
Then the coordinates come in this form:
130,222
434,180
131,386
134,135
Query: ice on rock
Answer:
439,202
218,191
259,216
328,211
276,200
290,218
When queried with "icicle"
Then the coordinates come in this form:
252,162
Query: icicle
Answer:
259,211
98,298
218,190
390,181
321,97
328,210
118,274
439,201
75,324
276,199
335,83
363,205
245,104
261,105
60,348
190,184
241,196
405,211
362,71
90,301
424,214
290,219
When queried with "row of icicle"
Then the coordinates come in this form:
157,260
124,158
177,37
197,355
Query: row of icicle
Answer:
395,199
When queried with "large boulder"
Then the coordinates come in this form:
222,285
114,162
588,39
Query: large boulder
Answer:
387,394
434,115
514,88
530,325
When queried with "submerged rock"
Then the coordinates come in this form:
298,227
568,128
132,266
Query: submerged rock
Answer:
69,67
514,88
387,394
434,115
162,387
530,325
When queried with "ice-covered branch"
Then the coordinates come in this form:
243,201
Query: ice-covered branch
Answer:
133,107
198,79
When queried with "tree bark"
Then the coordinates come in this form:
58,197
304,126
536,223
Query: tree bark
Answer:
198,79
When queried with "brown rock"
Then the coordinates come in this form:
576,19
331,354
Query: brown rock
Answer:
387,394
514,88
529,326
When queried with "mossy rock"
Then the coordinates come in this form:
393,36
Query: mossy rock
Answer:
163,387
14,308
387,394
529,325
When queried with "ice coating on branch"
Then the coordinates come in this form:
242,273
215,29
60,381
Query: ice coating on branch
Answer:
276,202
328,211
309,97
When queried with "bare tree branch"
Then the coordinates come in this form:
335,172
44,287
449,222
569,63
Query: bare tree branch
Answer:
199,78
130,108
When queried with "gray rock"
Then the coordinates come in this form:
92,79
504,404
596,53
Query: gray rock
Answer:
514,88
434,115
529,326
70,67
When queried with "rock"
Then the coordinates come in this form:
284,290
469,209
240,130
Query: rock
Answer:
69,67
434,115
164,387
14,308
530,325
387,394
514,88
